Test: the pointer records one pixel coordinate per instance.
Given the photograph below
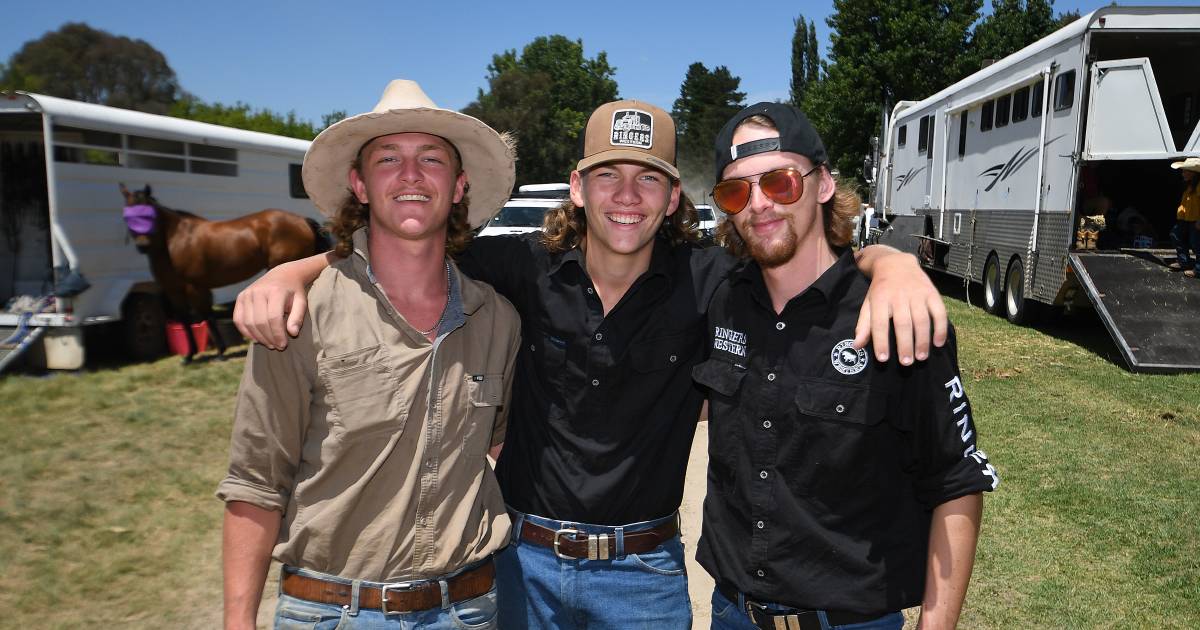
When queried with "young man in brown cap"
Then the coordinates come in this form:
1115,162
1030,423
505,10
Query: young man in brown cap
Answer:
612,298
840,489
358,454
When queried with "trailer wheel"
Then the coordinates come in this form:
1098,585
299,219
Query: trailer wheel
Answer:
1016,307
993,286
145,327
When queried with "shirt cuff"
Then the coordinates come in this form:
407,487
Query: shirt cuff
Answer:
234,489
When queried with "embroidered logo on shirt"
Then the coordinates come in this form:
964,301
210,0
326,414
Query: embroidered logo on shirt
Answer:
632,128
846,359
731,341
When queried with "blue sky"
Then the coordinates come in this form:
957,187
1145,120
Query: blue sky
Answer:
316,57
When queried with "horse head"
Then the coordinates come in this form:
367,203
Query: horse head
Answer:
141,216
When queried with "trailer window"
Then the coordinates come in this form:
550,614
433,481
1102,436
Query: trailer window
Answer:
214,160
902,137
962,133
985,116
1002,109
1020,105
78,155
156,162
923,138
210,152
296,182
1035,104
208,167
76,135
155,145
1064,91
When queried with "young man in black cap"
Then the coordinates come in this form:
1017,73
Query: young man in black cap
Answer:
612,298
841,489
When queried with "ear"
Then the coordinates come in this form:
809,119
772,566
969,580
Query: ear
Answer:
828,186
577,189
461,186
675,192
358,186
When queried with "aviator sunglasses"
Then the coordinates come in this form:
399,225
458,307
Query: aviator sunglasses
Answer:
783,185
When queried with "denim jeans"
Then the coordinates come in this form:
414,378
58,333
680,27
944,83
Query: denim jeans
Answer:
470,614
540,590
1185,236
727,615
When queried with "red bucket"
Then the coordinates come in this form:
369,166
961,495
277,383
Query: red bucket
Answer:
177,341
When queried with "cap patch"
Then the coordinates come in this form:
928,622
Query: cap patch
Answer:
754,146
632,128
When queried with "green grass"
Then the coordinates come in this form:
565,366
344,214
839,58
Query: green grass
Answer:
107,515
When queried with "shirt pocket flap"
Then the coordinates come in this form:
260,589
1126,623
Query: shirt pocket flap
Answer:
364,391
485,390
720,376
854,404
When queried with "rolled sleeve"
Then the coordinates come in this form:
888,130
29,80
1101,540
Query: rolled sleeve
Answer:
270,422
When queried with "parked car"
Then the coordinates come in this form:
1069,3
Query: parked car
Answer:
525,210
707,222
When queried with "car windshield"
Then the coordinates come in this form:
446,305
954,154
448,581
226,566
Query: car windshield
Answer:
519,216
705,213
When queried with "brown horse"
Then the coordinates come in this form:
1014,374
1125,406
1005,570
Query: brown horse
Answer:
190,255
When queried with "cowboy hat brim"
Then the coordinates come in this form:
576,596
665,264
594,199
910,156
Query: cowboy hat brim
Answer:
1191,164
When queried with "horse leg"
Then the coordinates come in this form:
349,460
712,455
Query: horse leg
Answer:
204,305
186,316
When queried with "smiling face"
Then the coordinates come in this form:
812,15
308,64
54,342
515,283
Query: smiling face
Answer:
774,231
625,203
409,181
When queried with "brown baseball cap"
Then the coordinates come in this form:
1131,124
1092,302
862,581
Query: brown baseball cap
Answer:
630,131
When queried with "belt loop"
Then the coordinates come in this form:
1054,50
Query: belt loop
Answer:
354,590
619,533
824,619
518,523
445,588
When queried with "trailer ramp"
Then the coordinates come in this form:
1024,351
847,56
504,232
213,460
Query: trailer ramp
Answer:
1152,314
15,340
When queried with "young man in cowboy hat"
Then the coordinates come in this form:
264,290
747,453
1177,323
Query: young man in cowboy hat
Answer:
612,298
1186,232
358,454
840,489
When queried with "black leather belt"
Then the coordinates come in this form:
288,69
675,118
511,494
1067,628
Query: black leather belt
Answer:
793,619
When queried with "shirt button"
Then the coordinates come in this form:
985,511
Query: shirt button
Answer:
760,524
780,325
841,408
429,463
532,348
591,291
766,424
595,382
599,337
771,377
762,474
673,358
760,573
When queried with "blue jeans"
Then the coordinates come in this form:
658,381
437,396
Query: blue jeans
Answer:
297,614
540,590
727,615
1185,235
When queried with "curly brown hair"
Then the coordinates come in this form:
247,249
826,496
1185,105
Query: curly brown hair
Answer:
564,227
354,214
837,214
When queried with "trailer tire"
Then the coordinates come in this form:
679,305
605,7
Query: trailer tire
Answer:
145,327
1017,309
993,286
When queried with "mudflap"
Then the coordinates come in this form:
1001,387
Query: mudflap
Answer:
15,340
1152,314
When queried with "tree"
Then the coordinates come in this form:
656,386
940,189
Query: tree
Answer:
544,96
806,59
706,100
85,64
242,116
1012,25
882,51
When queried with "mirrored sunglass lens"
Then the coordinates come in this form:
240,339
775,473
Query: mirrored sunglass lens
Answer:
782,186
731,196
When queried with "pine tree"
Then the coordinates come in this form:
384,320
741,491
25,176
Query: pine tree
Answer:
706,100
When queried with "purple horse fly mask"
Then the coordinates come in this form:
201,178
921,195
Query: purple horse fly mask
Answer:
140,218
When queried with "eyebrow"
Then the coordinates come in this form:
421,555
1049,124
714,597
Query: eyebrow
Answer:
423,147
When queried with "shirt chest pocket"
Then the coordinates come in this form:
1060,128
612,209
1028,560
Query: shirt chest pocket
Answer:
662,353
842,443
485,390
364,392
722,380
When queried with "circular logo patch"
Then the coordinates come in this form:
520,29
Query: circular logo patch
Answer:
846,359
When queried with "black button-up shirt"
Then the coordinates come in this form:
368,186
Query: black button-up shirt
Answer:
825,465
603,407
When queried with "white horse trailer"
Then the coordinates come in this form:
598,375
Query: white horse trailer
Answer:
60,211
990,178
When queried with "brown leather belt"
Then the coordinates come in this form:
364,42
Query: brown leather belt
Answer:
572,544
393,598
793,619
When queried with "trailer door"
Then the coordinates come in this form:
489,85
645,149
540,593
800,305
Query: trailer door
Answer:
1126,119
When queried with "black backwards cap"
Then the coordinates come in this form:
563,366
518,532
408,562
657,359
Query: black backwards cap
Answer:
796,135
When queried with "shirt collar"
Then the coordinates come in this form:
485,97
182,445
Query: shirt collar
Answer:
465,297
660,259
824,287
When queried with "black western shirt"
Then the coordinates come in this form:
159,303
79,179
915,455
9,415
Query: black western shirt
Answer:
603,407
825,465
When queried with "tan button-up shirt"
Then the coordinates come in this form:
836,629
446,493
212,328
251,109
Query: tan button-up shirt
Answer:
370,439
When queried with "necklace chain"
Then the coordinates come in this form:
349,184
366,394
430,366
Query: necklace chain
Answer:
442,317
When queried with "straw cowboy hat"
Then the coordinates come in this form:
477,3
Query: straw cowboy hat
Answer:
488,158
1190,164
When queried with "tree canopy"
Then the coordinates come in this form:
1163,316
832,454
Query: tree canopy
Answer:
707,98
806,59
243,116
544,96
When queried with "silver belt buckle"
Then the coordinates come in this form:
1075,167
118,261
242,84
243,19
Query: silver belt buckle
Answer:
399,587
597,544
558,537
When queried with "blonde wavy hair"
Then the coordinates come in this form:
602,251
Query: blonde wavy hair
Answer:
565,226
354,214
837,214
